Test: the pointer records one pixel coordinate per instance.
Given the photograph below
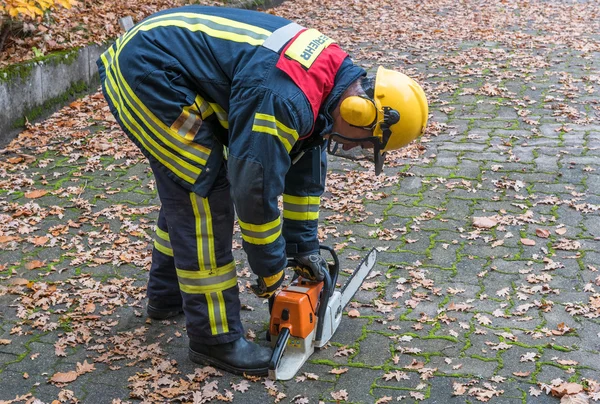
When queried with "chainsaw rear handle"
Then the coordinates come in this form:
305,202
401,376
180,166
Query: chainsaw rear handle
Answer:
334,268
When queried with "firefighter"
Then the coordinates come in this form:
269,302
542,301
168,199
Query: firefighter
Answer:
233,109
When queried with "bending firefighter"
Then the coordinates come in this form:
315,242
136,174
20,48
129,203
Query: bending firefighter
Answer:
234,108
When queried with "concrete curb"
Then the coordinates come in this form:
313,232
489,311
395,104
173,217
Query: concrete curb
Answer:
32,90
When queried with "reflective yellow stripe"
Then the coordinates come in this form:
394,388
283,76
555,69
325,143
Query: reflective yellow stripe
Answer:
223,310
205,242
198,282
162,242
211,314
217,27
261,234
269,124
170,138
221,114
180,167
201,105
163,249
162,234
301,207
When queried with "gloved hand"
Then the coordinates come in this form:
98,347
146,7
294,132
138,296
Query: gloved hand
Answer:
265,287
312,266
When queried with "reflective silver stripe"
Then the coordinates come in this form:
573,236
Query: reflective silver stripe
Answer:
281,36
163,243
209,281
294,207
261,234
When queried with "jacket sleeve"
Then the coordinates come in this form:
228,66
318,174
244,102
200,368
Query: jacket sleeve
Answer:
263,130
304,185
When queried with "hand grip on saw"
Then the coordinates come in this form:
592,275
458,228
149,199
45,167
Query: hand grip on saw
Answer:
332,267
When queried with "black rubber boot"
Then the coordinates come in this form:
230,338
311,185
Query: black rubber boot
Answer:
238,357
158,311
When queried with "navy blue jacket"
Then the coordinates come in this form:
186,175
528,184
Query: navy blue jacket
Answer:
194,85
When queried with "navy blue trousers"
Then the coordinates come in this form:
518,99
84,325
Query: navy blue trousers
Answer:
192,262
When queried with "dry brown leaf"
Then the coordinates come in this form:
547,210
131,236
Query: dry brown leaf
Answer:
40,241
85,367
35,264
6,239
561,231
5,341
38,193
521,374
543,233
527,242
338,371
567,362
341,395
484,222
89,308
353,313
66,377
580,398
18,281
566,388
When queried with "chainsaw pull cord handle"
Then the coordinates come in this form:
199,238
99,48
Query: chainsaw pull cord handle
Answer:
282,339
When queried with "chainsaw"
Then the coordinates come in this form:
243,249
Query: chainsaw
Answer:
305,314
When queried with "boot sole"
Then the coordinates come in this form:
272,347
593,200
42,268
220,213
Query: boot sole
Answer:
202,359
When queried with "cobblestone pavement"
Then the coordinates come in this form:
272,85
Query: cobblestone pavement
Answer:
486,285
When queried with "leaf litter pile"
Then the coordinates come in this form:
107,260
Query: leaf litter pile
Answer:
487,284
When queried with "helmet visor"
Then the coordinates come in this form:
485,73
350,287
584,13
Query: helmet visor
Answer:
371,150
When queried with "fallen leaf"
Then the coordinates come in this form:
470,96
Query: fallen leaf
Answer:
566,388
543,233
35,264
567,362
64,377
40,241
241,386
85,367
38,193
527,242
5,341
353,313
338,371
521,374
6,239
484,222
341,395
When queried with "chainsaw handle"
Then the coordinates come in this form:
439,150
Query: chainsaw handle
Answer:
334,268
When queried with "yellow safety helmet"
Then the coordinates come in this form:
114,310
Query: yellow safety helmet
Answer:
395,110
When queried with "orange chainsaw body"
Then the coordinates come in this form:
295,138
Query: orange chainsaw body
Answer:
295,308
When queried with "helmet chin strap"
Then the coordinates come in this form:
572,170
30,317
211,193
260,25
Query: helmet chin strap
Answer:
378,155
